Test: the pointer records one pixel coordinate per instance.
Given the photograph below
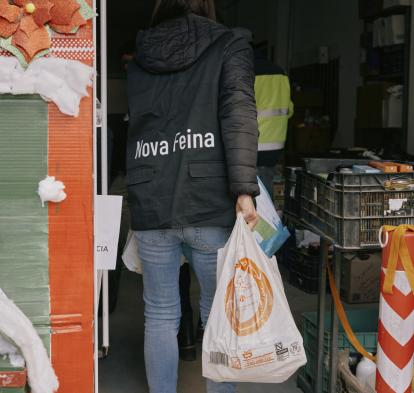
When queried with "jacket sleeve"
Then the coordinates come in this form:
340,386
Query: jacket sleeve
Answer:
238,117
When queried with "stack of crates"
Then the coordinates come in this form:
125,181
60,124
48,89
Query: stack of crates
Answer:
365,325
304,270
292,192
279,195
348,208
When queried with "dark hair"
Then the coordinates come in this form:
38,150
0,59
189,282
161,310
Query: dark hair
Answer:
169,9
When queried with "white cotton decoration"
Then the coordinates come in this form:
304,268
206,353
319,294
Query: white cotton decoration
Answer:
51,190
65,82
16,327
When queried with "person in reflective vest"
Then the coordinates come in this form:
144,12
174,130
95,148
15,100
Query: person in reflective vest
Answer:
274,108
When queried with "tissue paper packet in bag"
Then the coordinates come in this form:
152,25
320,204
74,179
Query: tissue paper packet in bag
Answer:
269,232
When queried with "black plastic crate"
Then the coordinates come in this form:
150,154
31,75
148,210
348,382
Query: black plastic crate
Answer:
307,284
350,209
392,60
286,252
304,271
329,165
292,191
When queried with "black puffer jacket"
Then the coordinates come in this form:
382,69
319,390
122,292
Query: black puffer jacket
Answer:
192,144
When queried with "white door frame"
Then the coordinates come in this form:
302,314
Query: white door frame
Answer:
100,276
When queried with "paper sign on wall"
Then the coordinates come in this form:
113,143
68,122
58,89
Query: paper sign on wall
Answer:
107,225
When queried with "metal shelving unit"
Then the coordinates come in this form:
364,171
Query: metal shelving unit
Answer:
397,136
343,186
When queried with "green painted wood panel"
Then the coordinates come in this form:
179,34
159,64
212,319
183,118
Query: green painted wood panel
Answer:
6,366
24,265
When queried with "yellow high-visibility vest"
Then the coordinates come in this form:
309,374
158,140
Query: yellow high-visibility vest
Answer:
274,108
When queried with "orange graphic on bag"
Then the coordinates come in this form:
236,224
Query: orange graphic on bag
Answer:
249,298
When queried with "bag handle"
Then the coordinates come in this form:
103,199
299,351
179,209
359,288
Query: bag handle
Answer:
241,218
399,249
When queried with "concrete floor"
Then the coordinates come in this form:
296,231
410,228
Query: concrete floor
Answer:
124,371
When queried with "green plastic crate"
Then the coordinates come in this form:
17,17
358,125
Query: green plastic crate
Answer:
365,326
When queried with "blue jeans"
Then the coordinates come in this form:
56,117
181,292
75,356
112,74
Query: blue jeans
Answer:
161,252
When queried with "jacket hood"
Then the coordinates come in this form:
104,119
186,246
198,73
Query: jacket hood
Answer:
176,44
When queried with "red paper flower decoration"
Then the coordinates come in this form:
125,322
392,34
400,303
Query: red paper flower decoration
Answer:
25,21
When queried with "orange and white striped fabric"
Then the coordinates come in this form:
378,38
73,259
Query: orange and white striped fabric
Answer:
395,354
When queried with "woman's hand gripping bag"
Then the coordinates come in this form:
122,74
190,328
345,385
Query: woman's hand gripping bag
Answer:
250,335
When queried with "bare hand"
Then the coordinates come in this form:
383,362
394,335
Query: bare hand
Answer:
245,206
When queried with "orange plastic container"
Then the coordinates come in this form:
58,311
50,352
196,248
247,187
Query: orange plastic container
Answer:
386,167
404,168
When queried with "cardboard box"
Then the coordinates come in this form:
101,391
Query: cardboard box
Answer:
311,140
370,107
360,277
307,99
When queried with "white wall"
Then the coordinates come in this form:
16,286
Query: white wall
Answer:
336,25
279,31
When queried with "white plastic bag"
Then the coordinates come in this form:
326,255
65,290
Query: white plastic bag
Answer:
251,335
130,254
